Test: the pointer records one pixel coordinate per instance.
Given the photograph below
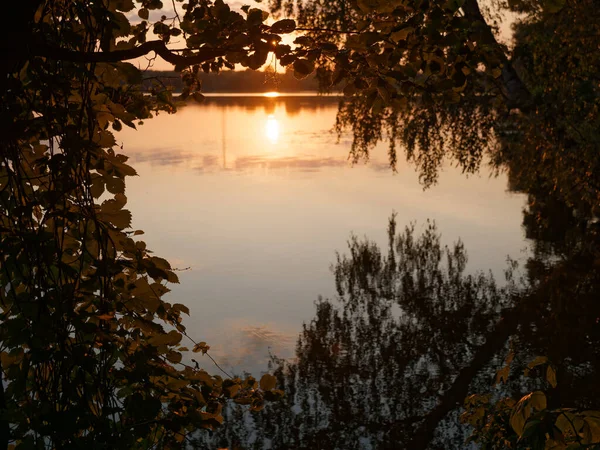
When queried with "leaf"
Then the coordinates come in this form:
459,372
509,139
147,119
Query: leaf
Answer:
201,347
106,316
537,362
9,359
233,390
250,383
257,59
502,374
133,75
592,418
174,357
538,400
268,382
283,26
522,412
103,118
113,205
181,308
97,187
256,16
170,338
568,423
531,428
125,5
377,105
517,422
120,219
551,376
121,169
401,35
303,68
104,139
115,185
160,263
172,277
304,41
286,60
143,13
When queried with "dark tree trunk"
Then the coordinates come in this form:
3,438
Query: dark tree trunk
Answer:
515,91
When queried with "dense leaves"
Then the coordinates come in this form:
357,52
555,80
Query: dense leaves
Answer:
431,74
434,78
91,353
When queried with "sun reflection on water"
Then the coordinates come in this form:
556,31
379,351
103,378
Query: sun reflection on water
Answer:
271,94
272,129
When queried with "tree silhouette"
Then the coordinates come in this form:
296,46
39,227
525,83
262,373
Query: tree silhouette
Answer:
91,353
410,335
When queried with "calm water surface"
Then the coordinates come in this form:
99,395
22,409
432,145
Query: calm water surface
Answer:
254,196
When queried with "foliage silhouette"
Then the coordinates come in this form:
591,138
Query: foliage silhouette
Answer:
91,354
433,78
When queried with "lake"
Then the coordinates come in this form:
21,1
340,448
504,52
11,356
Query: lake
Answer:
252,196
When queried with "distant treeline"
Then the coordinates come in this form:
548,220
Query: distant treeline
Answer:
238,81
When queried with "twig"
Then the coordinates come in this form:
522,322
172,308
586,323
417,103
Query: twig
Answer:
326,30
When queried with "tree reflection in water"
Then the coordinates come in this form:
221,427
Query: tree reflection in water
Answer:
389,361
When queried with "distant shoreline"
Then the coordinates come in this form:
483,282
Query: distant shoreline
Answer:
239,83
269,96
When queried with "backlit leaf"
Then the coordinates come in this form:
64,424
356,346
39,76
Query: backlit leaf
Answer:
283,26
268,382
551,376
401,35
303,68
170,338
537,361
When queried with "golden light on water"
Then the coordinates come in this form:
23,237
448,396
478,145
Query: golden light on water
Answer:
272,129
271,94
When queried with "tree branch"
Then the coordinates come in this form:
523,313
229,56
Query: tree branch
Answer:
516,92
326,30
456,394
4,424
62,54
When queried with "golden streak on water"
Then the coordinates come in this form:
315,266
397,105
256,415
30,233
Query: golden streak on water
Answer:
271,94
272,129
